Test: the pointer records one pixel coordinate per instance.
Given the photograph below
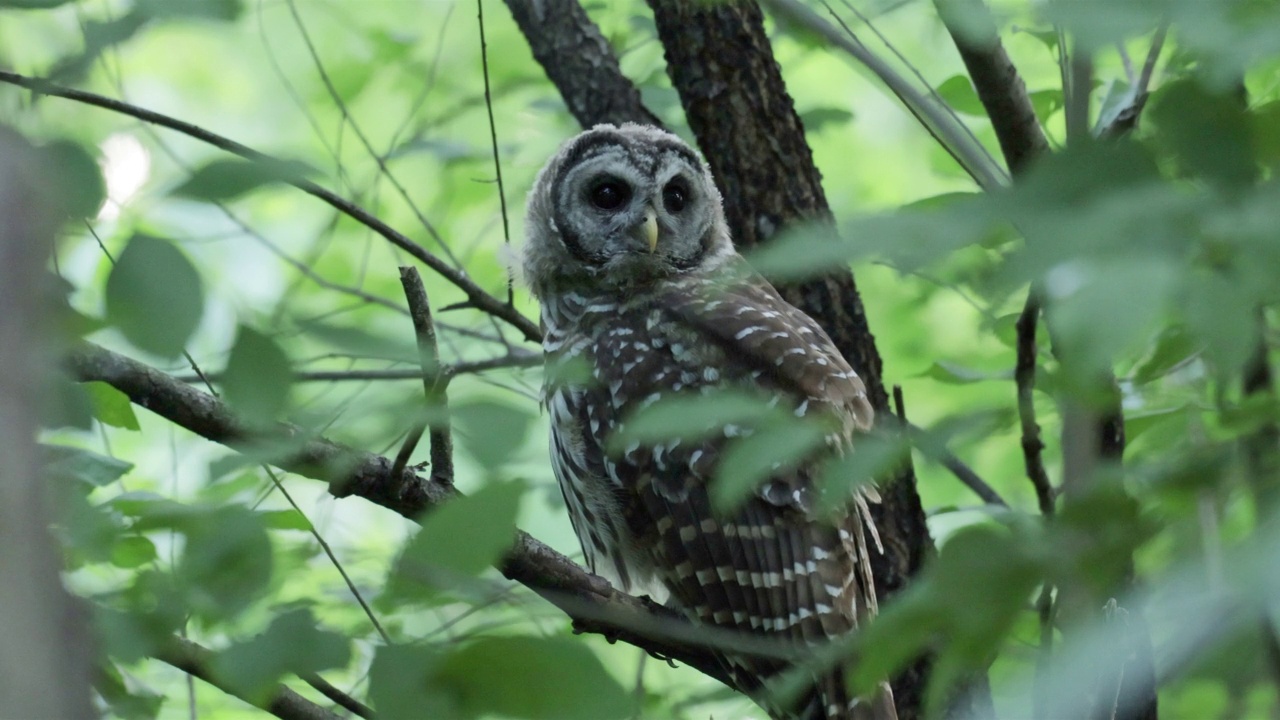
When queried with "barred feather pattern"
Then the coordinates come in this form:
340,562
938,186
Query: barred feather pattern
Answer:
644,515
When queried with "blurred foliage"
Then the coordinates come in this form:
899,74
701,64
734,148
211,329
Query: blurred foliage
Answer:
1157,253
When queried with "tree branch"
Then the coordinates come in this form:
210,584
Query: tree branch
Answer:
996,80
476,296
1024,375
518,359
434,379
968,153
579,61
594,605
284,703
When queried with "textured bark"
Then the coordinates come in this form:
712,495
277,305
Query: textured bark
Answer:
996,80
737,105
45,650
579,61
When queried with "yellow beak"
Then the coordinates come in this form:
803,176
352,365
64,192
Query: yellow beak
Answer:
651,229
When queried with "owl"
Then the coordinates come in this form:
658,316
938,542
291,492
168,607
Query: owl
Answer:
644,297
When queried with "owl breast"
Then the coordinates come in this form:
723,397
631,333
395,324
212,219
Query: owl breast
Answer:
608,357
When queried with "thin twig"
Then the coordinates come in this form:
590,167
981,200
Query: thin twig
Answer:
973,158
521,360
1024,375
493,138
364,141
343,700
1127,118
966,475
476,297
434,380
933,92
284,703
333,558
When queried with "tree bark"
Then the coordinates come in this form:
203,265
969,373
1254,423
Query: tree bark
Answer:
579,61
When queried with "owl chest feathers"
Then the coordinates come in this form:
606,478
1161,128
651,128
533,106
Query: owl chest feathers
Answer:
609,356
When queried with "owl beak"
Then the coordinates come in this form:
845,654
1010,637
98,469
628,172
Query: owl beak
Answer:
651,229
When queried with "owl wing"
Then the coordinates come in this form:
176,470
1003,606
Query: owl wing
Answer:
770,566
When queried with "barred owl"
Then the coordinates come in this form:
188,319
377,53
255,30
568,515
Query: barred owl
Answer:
630,257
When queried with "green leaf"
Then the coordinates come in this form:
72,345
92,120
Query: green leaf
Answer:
1208,132
83,466
110,406
873,455
816,119
692,417
293,644
953,374
226,562
132,551
747,462
958,92
399,684
81,187
457,541
257,379
65,403
447,151
363,342
154,296
32,4
532,678
130,636
98,37
1046,103
285,519
219,491
492,432
197,9
222,180
1265,127
1173,347
127,704
1219,313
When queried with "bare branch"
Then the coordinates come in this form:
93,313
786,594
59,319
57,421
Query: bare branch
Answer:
476,296
997,82
284,703
434,379
965,474
579,61
953,138
1127,118
1024,375
343,700
378,158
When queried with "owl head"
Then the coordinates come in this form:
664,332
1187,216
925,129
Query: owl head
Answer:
622,207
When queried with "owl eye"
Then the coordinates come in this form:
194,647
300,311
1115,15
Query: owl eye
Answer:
673,197
609,195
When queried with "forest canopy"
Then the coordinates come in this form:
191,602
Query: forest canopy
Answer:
261,298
